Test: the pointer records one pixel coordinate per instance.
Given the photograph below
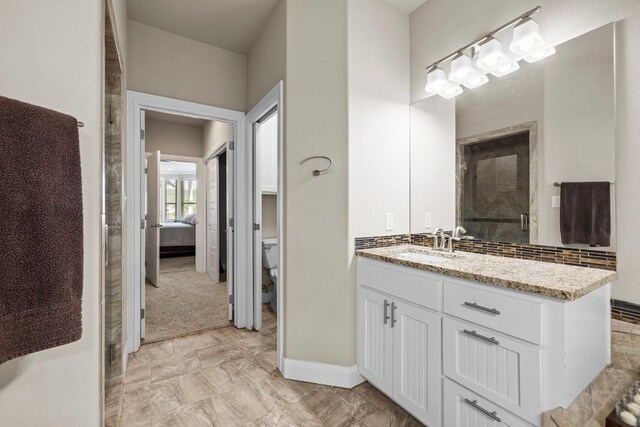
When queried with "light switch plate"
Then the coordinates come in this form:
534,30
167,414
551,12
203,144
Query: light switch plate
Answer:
388,221
555,201
427,220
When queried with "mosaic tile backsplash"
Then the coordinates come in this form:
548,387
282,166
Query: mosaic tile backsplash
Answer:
579,257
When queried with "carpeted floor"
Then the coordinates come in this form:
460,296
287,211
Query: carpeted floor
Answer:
184,303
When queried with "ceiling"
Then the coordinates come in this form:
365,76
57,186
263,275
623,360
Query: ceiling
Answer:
407,6
168,167
228,24
174,118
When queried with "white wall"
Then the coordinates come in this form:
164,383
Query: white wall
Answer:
319,296
51,56
378,45
174,138
440,27
216,134
628,158
166,64
433,160
266,64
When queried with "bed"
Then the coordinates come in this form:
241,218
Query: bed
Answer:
177,238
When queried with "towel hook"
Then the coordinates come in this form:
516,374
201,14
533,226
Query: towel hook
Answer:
319,172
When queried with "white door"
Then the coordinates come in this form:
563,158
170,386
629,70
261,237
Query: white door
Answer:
375,339
152,244
213,254
416,361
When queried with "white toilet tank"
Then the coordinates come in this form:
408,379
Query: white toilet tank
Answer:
269,253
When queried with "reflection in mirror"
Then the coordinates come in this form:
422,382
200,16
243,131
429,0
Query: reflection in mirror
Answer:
488,159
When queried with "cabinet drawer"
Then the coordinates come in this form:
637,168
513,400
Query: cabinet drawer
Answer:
463,408
402,282
505,313
503,370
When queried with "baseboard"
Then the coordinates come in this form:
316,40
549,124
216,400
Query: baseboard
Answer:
322,373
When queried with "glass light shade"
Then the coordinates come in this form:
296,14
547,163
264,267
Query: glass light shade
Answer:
476,81
526,37
451,92
506,69
461,68
540,54
437,81
491,55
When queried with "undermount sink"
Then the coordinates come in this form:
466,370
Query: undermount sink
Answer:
426,257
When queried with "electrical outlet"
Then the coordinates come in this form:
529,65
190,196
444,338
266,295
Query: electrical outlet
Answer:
427,220
388,221
555,201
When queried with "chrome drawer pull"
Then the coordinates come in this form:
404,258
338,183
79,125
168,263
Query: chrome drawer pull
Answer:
474,334
386,306
493,414
481,308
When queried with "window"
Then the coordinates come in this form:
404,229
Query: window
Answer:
170,199
188,197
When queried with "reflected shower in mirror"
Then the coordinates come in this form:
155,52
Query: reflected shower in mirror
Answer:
487,160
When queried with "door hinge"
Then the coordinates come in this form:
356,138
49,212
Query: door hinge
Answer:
145,263
142,223
146,170
232,145
142,313
230,299
232,223
256,227
141,133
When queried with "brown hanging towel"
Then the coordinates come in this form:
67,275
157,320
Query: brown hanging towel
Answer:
40,229
585,213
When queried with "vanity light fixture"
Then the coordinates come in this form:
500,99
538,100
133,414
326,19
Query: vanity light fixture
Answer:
527,44
451,92
506,69
540,54
526,37
491,55
461,68
437,81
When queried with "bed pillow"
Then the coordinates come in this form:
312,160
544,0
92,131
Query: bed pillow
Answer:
187,219
193,220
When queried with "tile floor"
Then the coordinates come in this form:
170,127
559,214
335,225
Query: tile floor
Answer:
228,377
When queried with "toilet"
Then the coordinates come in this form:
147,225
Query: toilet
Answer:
270,262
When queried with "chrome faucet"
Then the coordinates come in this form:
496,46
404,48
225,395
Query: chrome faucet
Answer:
459,232
441,240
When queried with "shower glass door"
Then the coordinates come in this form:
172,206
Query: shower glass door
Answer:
495,189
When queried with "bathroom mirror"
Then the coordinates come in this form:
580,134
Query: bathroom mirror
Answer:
488,159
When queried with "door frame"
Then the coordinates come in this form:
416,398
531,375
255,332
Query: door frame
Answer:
136,102
532,128
274,98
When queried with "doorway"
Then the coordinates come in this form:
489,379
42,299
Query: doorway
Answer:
140,218
497,176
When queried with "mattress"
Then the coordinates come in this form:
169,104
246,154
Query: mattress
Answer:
177,234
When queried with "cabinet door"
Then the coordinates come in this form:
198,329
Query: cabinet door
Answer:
463,408
416,361
375,339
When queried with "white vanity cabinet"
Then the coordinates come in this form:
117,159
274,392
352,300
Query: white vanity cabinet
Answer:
455,352
399,348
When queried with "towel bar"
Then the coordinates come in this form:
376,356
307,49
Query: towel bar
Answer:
558,184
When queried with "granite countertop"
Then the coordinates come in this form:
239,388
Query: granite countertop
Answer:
560,281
